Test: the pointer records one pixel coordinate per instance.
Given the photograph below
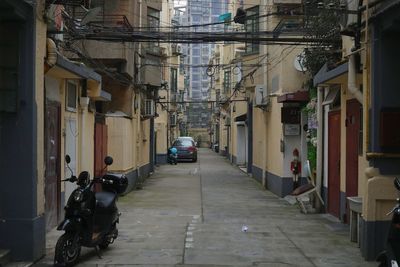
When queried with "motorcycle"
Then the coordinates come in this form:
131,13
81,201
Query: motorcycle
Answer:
90,217
391,256
173,156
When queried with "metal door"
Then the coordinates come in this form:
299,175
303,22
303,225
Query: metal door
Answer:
52,158
71,133
100,148
241,142
353,116
334,163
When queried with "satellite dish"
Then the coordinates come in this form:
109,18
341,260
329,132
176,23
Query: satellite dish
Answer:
299,62
90,15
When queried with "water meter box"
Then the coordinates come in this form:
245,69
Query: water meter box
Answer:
118,185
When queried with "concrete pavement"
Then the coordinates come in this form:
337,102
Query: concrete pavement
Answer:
192,214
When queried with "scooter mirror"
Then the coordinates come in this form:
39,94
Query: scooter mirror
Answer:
397,183
108,160
67,159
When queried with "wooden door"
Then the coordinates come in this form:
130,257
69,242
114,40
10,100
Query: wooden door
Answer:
353,117
334,163
53,164
100,148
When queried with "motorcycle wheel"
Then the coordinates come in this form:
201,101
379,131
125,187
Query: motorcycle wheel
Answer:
67,251
106,242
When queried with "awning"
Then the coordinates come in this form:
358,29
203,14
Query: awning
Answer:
331,96
66,69
242,117
299,96
325,75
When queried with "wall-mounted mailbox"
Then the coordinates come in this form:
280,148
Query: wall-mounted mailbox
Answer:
290,115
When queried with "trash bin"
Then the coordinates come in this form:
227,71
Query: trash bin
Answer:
355,207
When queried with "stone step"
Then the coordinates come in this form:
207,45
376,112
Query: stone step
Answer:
5,257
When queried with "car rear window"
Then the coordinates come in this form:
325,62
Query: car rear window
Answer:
183,143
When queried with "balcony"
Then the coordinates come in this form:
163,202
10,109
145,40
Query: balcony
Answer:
150,71
289,9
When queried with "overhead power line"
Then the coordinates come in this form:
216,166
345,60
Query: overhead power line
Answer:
261,37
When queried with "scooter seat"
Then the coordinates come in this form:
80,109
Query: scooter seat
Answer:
105,200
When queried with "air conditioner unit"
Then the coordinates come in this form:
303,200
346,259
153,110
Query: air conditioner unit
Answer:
148,110
176,49
260,95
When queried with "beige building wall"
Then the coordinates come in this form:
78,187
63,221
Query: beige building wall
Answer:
259,138
274,162
121,141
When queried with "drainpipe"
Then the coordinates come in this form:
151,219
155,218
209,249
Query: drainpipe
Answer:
51,57
265,81
320,144
352,79
84,104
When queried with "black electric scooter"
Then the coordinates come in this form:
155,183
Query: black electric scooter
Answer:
172,157
90,217
391,256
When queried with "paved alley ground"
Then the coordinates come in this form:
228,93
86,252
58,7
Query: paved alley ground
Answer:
192,214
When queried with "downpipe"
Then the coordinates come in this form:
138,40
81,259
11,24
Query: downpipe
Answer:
352,79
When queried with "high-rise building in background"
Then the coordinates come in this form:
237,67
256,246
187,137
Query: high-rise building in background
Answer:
197,55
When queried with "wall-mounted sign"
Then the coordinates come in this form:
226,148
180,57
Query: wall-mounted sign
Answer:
291,129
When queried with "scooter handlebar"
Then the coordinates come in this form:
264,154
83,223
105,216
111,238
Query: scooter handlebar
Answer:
103,181
71,179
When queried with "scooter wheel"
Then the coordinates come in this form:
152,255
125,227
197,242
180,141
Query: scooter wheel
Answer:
67,250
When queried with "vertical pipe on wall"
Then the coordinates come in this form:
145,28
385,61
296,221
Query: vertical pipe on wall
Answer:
320,144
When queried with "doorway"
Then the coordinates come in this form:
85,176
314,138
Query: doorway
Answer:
53,164
241,141
353,119
334,163
71,133
100,147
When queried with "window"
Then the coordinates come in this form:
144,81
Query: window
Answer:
196,52
195,60
174,80
153,22
227,81
153,18
252,26
71,96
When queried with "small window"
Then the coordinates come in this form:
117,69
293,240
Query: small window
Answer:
71,96
252,26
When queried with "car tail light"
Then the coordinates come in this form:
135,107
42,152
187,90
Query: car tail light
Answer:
192,148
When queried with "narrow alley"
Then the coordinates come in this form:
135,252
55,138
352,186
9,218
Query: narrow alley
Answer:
193,214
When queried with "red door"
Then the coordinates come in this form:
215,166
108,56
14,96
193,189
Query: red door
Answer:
53,167
100,148
334,163
353,116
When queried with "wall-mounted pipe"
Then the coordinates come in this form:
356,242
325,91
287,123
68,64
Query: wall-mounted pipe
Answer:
51,56
352,79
